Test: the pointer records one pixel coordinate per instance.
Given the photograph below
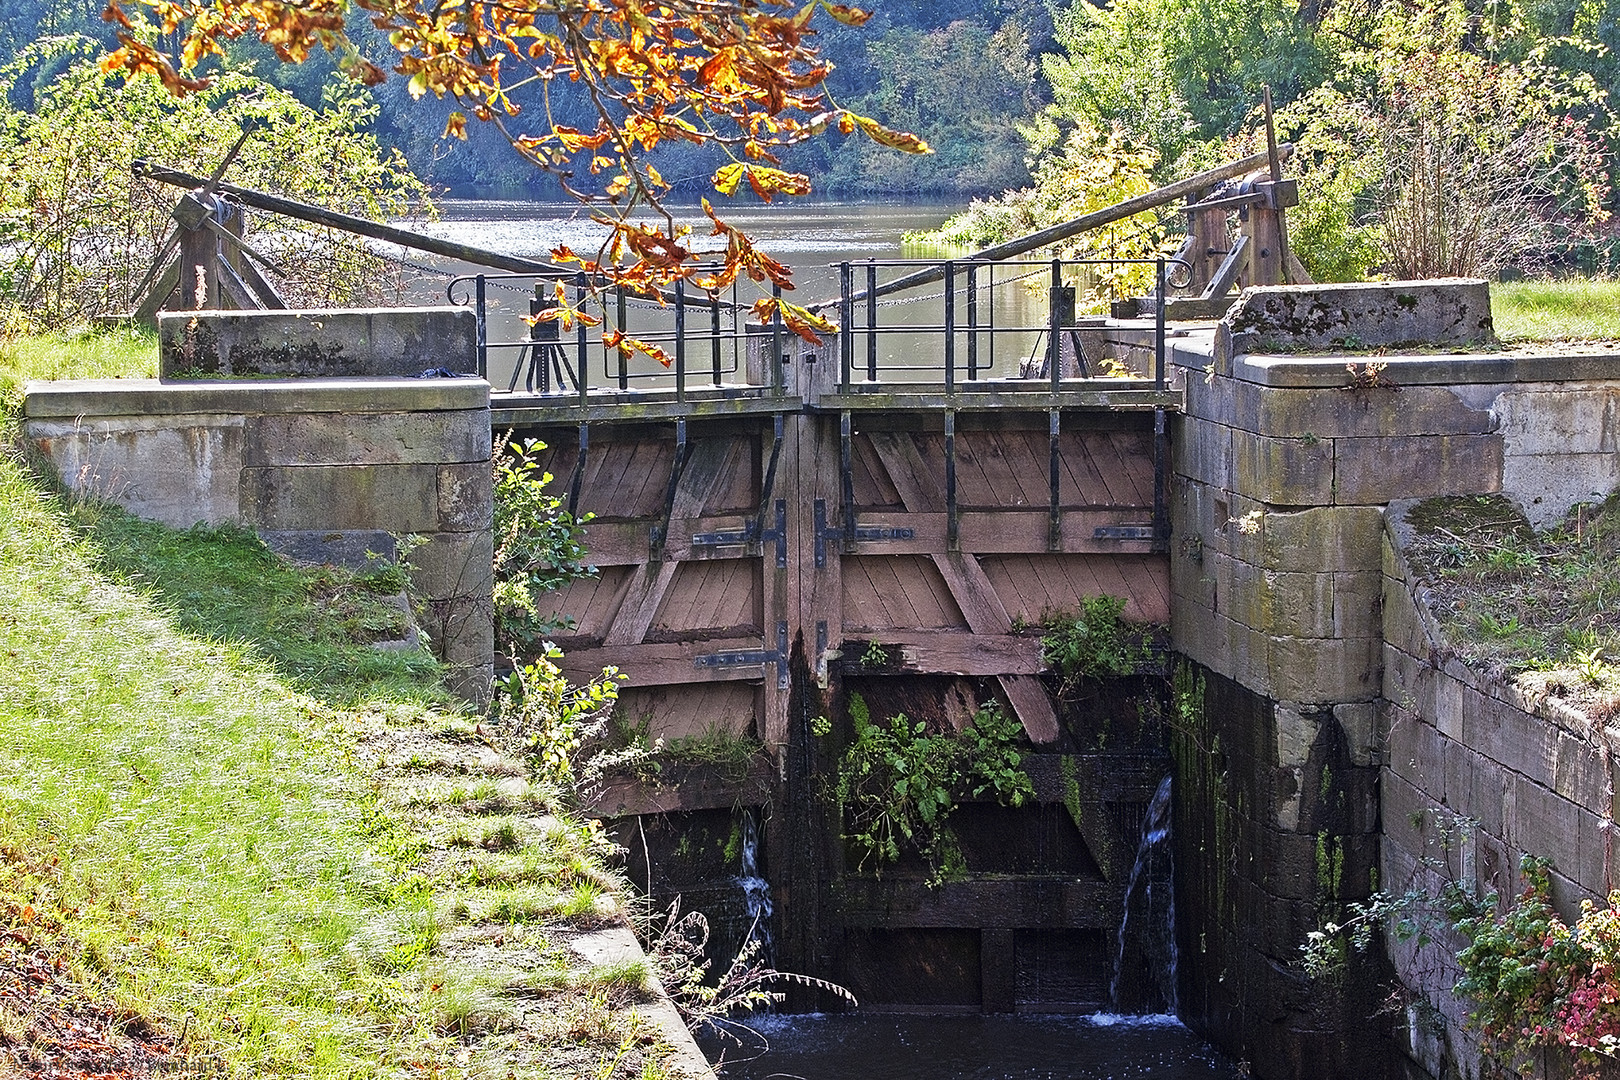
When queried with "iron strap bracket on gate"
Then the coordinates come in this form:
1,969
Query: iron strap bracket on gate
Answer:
859,534
658,535
751,533
1125,532
751,657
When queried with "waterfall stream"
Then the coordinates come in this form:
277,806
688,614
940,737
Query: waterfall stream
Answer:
1145,957
756,890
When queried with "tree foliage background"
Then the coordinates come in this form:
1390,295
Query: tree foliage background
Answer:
78,231
1434,136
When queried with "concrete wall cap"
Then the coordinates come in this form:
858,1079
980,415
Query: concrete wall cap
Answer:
90,398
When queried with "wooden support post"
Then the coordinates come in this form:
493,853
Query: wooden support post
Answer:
998,971
199,270
1265,251
1208,241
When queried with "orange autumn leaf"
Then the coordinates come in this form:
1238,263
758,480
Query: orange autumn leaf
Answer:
742,74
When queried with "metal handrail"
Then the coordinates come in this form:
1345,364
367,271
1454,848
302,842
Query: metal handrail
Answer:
1059,320
707,354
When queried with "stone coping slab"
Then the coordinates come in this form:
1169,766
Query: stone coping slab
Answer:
1431,369
76,398
317,343
1530,363
1399,314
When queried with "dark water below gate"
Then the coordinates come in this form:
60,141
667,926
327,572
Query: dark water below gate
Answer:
968,1047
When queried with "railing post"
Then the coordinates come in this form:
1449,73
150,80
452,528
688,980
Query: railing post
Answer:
973,321
871,321
950,326
714,336
778,375
680,339
540,335
952,526
1054,354
1158,328
582,367
482,331
990,291
846,338
623,328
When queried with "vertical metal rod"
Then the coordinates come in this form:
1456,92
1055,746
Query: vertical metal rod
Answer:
714,337
680,339
1054,354
778,375
582,374
950,326
623,328
1054,506
846,336
952,540
990,292
537,336
973,321
482,328
871,320
579,470
737,363
846,472
1158,329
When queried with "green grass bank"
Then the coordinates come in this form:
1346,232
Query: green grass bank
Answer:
237,840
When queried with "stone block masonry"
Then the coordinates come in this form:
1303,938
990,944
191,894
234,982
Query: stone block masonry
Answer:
325,470
1476,776
316,344
1282,465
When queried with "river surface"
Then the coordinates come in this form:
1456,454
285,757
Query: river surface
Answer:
968,1047
811,237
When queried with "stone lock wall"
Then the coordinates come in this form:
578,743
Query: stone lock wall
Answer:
1283,463
1478,773
324,470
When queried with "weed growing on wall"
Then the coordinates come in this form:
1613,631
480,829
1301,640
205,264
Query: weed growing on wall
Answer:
1097,643
539,547
898,783
1535,981
1532,981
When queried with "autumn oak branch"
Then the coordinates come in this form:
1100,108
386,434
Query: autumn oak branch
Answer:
744,75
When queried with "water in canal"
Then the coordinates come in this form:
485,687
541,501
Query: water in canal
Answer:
970,1047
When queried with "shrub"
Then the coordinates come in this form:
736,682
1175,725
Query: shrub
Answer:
539,547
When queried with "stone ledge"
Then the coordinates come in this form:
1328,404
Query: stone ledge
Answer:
328,342
90,398
1440,311
1433,369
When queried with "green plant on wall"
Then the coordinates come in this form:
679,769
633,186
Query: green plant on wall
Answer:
1094,644
1531,980
539,546
898,783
